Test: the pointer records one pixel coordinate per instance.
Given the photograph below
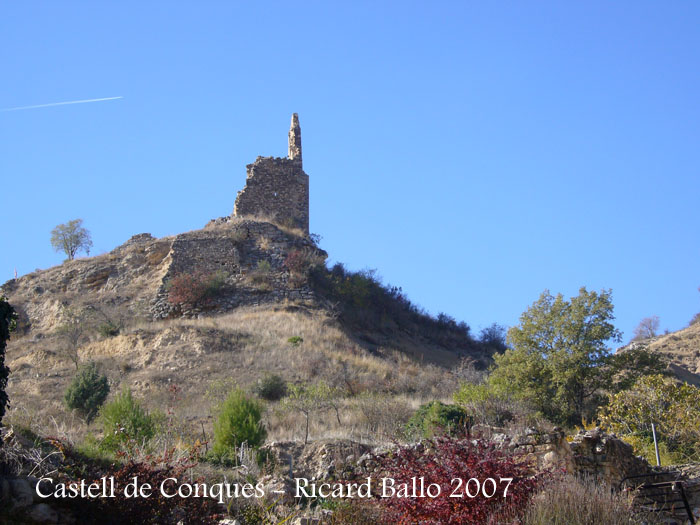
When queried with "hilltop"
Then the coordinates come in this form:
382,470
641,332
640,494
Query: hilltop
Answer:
681,350
185,321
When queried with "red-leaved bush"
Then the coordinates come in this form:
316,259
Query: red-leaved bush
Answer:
450,464
157,508
296,262
151,470
194,289
299,263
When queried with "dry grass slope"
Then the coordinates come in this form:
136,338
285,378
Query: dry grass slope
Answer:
205,357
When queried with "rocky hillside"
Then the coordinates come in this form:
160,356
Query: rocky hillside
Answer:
258,314
681,349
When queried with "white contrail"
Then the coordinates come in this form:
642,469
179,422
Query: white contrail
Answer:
62,103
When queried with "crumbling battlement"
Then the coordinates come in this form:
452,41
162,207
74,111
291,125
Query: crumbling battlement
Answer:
277,187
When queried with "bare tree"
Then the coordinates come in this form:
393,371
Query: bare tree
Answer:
71,332
309,399
646,328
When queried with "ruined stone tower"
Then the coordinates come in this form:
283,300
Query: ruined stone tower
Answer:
277,188
294,151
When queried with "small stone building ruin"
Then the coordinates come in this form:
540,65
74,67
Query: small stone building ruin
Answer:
277,188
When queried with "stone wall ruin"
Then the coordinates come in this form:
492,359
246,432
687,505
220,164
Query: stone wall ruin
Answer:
277,188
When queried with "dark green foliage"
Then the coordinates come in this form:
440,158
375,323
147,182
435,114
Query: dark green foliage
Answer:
126,423
628,366
7,324
271,388
365,302
438,418
87,391
559,361
108,329
494,338
238,420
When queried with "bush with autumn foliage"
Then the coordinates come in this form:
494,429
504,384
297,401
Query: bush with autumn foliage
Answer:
444,460
158,471
196,289
300,263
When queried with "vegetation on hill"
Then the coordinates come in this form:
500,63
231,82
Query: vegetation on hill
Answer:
87,391
7,323
70,238
365,303
669,405
360,361
238,421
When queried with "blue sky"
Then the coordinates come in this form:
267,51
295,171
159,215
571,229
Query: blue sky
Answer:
474,153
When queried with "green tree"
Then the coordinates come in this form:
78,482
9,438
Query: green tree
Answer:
126,423
70,238
670,405
558,360
87,391
629,365
238,420
7,324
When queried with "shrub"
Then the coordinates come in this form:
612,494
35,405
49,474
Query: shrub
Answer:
157,508
295,340
437,418
87,391
386,415
441,461
488,407
196,289
297,262
300,263
271,387
238,420
493,337
671,406
364,301
126,423
643,446
108,329
356,512
260,276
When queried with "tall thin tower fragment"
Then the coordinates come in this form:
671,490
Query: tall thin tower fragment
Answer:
294,152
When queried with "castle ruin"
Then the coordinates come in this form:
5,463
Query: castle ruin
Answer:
277,188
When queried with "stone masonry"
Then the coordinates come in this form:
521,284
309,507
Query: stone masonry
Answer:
277,188
235,248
